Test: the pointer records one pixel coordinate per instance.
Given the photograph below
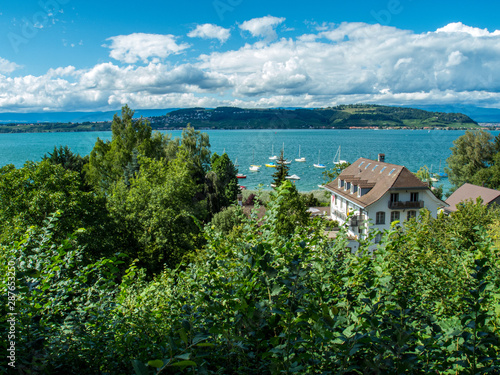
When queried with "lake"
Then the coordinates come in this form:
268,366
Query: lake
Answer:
411,148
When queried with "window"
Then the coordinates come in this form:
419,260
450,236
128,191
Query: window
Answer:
392,171
394,216
378,237
383,169
367,165
394,197
375,167
380,218
413,197
361,164
411,214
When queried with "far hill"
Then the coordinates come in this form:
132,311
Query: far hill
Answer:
339,117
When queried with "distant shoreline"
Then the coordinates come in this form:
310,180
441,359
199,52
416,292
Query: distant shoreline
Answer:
348,116
26,131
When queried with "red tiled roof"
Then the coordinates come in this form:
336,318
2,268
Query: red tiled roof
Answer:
472,192
380,177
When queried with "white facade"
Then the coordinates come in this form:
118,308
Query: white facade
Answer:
372,198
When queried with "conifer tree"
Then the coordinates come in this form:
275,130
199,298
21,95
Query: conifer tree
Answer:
281,171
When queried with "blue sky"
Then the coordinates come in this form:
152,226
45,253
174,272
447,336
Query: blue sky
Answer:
69,55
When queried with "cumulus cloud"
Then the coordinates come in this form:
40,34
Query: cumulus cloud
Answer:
459,27
263,27
139,46
7,67
343,63
210,31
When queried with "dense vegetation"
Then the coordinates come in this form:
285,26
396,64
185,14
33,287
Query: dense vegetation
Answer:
340,117
138,261
475,159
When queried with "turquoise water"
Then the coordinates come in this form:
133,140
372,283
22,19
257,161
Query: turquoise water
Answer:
411,148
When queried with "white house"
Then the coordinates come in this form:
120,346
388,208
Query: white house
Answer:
373,194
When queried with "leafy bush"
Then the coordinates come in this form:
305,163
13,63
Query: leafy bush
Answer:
268,302
227,219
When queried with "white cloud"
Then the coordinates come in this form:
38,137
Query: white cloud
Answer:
263,27
139,46
346,63
7,67
455,58
209,31
459,27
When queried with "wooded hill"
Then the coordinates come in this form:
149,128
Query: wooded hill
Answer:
339,117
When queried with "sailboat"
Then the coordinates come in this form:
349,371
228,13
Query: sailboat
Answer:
253,167
319,165
441,174
336,158
274,157
299,159
284,160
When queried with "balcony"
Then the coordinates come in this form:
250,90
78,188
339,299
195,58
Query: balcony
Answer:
339,215
405,205
355,221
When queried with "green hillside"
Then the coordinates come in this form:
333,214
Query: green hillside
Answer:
339,117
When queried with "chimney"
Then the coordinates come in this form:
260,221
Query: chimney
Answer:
381,158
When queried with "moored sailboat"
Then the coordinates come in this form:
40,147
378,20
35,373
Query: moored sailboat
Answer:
274,157
319,165
300,159
336,158
253,166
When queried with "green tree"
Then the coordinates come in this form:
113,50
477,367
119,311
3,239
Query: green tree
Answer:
156,213
331,174
289,208
197,146
221,183
424,175
30,194
112,161
225,220
67,159
281,171
471,153
70,161
488,177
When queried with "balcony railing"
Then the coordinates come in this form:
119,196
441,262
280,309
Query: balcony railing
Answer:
405,205
353,220
340,215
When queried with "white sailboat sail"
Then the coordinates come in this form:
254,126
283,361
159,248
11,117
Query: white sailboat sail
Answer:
299,159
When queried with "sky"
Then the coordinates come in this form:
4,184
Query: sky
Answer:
74,55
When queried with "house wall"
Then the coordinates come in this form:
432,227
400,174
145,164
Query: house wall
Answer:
382,205
343,206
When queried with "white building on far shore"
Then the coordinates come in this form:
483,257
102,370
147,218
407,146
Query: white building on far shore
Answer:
373,194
